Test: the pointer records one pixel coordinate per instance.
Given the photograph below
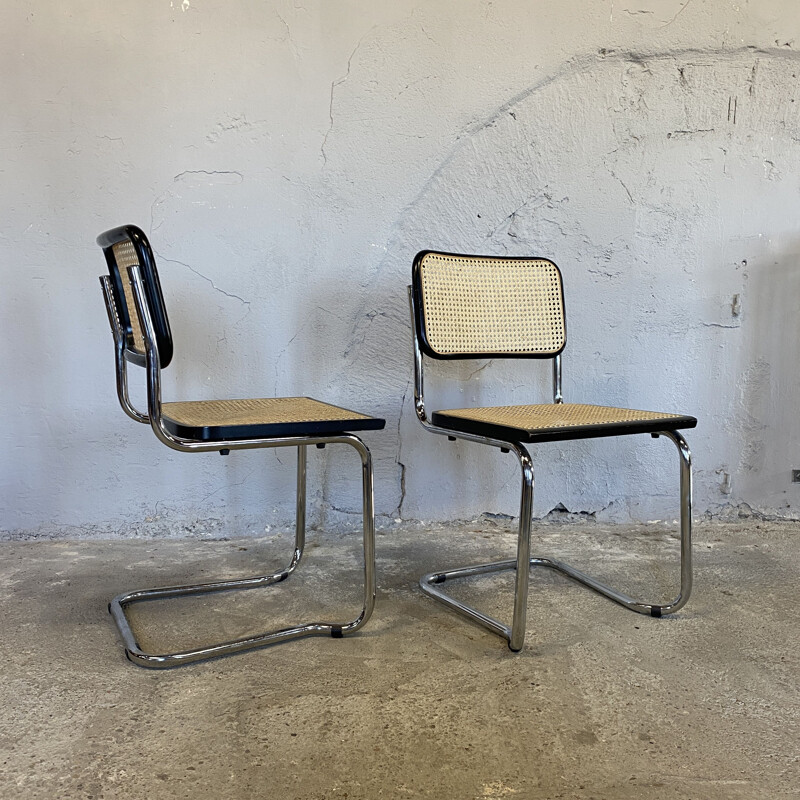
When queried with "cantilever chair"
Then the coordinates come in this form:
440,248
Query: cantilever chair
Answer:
142,336
470,307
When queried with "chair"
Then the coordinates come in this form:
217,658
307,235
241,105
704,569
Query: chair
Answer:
468,307
142,336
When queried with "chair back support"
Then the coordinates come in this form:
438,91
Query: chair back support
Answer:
125,247
488,306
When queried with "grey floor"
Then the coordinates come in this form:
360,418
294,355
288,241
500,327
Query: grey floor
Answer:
602,703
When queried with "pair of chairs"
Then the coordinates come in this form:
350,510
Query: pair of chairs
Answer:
462,307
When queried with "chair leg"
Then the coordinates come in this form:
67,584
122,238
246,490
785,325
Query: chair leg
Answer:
515,634
517,638
119,604
300,513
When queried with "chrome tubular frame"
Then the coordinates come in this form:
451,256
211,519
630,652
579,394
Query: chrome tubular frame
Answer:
118,605
515,633
119,354
557,395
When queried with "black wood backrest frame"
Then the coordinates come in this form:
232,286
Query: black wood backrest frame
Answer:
152,286
416,288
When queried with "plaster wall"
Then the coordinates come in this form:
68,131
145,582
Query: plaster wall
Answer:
288,160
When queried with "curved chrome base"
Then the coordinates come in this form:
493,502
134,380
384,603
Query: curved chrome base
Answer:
335,629
515,633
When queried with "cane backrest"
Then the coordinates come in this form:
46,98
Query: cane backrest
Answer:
488,306
127,247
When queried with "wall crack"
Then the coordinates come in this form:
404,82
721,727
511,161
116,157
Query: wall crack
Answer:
210,173
205,278
681,10
334,84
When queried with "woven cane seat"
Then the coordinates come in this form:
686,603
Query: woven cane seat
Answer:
212,420
556,422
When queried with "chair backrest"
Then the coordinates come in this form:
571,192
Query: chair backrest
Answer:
488,306
125,247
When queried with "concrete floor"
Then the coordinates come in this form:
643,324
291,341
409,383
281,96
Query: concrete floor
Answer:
602,703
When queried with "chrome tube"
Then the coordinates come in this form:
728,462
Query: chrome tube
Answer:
558,397
515,634
431,583
121,366
334,629
368,517
300,518
154,393
153,359
517,638
419,396
685,455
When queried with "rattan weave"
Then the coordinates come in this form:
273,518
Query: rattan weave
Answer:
563,415
261,411
125,255
475,304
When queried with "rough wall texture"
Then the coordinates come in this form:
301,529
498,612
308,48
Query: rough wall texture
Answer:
289,159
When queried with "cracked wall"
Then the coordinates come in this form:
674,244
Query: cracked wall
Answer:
660,206
289,159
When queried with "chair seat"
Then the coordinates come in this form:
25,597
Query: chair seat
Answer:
556,422
270,417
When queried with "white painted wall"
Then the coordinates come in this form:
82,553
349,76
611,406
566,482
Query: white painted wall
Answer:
288,159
